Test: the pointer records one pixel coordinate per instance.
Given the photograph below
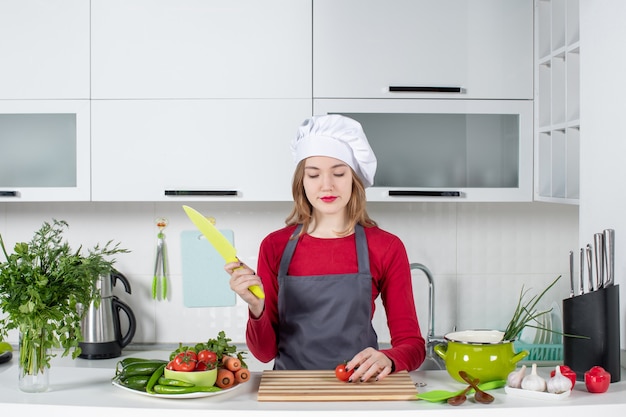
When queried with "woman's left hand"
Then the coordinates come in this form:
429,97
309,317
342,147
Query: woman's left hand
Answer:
369,363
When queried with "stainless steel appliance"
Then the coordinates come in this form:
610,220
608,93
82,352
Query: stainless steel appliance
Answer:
101,326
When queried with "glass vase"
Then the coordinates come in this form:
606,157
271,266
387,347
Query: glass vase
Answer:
33,371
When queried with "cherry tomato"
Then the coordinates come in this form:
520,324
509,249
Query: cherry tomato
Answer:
567,372
342,373
207,356
185,361
597,380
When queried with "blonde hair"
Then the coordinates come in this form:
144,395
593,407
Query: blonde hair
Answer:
302,212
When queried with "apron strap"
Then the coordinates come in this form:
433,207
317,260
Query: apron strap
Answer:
362,251
285,261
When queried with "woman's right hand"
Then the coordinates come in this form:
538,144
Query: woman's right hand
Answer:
241,278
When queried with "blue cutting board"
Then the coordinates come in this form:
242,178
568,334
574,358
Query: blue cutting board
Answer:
205,283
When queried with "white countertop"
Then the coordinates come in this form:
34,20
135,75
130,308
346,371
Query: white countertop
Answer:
82,388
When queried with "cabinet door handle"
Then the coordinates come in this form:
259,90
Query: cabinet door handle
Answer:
416,193
424,89
200,193
9,194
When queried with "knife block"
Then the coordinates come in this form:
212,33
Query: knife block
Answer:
596,316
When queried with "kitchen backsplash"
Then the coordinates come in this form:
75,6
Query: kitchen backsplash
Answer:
480,254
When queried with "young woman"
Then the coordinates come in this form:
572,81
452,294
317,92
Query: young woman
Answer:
322,272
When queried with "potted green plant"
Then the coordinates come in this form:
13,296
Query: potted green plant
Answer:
43,285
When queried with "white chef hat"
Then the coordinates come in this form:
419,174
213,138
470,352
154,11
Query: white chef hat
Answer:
339,137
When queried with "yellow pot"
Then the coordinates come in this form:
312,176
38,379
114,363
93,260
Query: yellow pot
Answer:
481,353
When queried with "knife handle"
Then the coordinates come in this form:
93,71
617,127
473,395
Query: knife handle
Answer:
581,289
598,240
609,255
254,289
571,273
590,267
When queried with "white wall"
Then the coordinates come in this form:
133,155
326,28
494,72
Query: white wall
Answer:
603,139
480,254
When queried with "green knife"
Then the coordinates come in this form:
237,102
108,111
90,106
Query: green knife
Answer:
219,242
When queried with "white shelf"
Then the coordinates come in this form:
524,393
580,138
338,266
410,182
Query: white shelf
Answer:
557,98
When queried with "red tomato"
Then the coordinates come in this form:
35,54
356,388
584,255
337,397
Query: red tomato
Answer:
566,371
201,366
170,365
207,357
342,373
185,361
597,380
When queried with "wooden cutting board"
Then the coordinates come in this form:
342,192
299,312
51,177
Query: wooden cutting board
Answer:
324,386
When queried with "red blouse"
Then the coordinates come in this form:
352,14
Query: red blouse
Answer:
391,274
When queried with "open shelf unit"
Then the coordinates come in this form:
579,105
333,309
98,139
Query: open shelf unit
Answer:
557,101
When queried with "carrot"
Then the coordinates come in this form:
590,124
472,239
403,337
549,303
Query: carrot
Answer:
231,363
225,378
242,375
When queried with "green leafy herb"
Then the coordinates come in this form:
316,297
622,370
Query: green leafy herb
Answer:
43,285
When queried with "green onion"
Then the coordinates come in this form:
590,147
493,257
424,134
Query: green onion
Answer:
525,312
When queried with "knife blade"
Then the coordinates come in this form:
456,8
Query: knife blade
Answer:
598,241
219,242
571,273
609,251
589,267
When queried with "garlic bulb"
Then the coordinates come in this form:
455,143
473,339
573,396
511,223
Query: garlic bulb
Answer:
514,380
534,382
559,383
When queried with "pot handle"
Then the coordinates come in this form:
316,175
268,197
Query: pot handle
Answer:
518,357
441,350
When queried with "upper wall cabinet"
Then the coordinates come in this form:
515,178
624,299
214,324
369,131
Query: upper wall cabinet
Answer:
465,49
201,49
44,150
453,150
44,49
194,150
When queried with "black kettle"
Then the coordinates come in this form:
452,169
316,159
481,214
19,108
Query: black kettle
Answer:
101,328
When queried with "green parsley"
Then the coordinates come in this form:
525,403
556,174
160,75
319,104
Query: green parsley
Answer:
43,285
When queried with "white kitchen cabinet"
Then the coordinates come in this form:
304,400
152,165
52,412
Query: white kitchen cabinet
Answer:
44,47
189,49
194,150
557,109
445,150
44,150
460,49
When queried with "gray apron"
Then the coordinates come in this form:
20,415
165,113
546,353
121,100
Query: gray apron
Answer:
324,320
